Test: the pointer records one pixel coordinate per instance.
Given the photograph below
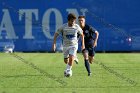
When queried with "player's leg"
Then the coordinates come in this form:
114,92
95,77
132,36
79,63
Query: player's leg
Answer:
66,55
66,60
91,59
91,55
72,53
71,60
76,59
85,55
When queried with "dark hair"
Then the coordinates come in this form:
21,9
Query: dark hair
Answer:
81,16
71,16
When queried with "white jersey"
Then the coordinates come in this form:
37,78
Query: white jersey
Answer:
69,34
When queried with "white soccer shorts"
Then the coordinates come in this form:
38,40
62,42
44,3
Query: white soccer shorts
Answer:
71,50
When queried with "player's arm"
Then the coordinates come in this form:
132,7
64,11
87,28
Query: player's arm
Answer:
55,37
54,41
92,29
96,38
83,41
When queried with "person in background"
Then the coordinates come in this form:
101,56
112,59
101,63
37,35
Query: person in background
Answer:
91,38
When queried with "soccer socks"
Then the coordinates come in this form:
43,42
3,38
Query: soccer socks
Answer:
87,66
69,67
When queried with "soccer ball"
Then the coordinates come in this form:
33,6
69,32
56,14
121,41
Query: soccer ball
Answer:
68,73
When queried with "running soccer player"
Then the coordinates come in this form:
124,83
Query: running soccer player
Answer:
69,33
90,37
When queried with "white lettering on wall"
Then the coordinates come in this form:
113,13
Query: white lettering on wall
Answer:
46,20
28,15
28,21
6,25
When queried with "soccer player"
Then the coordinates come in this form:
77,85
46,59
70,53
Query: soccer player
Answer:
69,33
90,37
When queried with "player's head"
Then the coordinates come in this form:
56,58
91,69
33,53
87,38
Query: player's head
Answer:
81,20
71,19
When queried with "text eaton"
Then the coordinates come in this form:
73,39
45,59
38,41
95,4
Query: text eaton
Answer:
27,16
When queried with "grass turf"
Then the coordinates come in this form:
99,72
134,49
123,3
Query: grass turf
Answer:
43,73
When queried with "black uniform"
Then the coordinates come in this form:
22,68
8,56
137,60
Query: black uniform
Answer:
89,33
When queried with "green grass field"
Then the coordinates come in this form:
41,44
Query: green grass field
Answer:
43,73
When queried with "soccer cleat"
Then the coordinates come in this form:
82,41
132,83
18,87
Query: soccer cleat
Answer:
89,74
76,60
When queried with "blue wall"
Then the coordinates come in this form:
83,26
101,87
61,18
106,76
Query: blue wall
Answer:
30,25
